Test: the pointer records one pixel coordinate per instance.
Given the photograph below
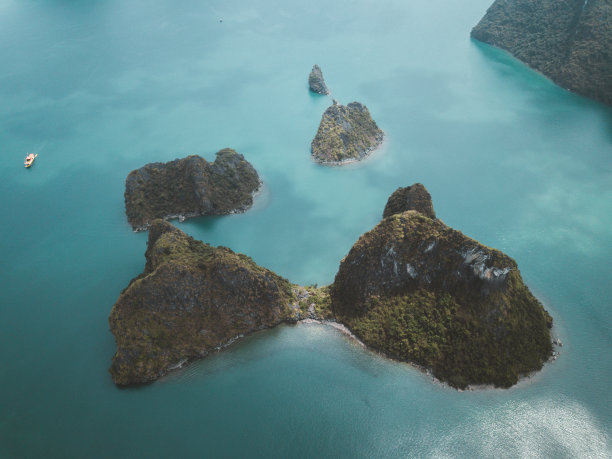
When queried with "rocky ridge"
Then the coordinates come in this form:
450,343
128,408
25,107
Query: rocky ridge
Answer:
346,133
569,41
190,187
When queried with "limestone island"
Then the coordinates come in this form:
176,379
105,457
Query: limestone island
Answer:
193,299
418,291
346,134
569,41
190,187
412,289
316,81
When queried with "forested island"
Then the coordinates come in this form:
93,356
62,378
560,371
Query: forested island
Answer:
412,288
417,290
190,187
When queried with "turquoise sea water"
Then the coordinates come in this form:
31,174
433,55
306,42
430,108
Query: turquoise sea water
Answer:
100,88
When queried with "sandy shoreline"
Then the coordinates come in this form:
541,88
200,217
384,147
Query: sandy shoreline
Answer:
338,326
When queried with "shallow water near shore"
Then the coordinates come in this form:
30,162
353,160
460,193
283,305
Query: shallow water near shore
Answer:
100,88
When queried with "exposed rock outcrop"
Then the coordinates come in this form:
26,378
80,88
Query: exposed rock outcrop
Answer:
414,197
190,187
346,133
569,41
419,291
190,300
316,81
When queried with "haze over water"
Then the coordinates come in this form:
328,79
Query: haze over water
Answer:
98,89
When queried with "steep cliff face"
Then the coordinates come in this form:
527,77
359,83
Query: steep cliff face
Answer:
414,197
417,290
190,187
346,133
570,41
316,81
191,299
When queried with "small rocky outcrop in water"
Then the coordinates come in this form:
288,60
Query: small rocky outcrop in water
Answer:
346,133
569,41
415,197
190,187
191,299
417,290
316,81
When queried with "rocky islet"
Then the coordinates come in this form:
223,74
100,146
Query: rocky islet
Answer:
346,133
316,82
190,187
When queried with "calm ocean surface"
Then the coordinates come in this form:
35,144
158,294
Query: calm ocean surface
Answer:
98,88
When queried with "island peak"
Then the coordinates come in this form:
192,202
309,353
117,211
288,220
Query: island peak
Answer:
412,288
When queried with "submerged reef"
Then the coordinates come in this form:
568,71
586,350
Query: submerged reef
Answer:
190,187
346,133
316,81
569,41
411,288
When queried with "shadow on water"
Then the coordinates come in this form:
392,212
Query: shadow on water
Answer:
316,97
541,91
202,224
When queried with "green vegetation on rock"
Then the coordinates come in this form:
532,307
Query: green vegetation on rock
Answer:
411,288
190,187
420,291
312,302
191,299
346,133
414,197
569,41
